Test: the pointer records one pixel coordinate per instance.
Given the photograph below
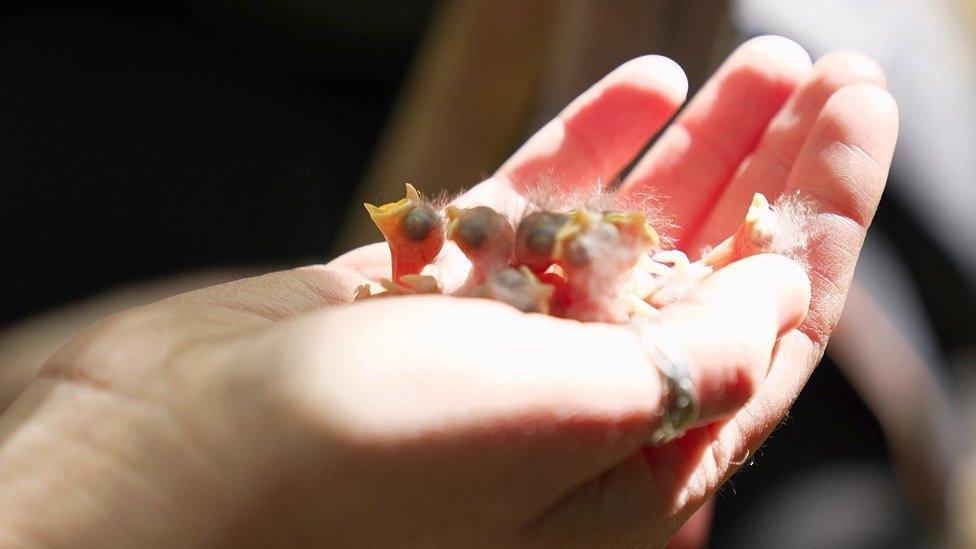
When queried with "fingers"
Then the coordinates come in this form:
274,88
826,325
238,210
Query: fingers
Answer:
499,359
546,402
843,165
727,330
844,162
587,144
444,384
699,153
767,169
602,130
842,168
728,325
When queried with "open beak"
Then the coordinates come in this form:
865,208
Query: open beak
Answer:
453,219
579,220
388,216
412,229
760,220
635,223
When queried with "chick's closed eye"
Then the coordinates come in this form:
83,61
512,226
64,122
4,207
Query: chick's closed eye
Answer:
591,259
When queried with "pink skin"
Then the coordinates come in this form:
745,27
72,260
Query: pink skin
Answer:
486,238
698,151
597,262
382,421
410,258
413,231
779,147
829,138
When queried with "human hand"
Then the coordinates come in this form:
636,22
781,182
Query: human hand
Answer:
826,132
256,412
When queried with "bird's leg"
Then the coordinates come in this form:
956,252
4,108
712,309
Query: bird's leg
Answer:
672,276
519,288
409,284
412,228
412,284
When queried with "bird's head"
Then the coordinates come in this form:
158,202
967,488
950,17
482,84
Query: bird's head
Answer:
412,228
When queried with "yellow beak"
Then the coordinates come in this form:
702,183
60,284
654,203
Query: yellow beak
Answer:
383,216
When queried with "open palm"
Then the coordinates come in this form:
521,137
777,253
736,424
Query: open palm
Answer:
270,410
768,121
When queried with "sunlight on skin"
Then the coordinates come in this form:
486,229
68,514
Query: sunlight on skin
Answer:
460,419
798,94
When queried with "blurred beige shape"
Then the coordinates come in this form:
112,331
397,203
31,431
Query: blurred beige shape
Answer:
464,104
491,72
27,345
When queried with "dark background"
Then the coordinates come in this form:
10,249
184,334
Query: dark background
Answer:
143,139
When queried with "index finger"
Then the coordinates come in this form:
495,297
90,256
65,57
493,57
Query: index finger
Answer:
601,131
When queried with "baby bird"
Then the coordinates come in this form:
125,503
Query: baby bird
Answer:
519,288
587,264
485,236
535,239
597,253
412,228
782,228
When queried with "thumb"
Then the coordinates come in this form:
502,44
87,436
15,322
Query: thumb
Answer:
549,403
726,328
728,325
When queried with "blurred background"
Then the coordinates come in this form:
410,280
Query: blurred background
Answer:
152,148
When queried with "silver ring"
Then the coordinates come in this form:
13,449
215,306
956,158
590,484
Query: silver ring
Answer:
679,398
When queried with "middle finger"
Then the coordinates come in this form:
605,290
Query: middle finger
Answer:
697,156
